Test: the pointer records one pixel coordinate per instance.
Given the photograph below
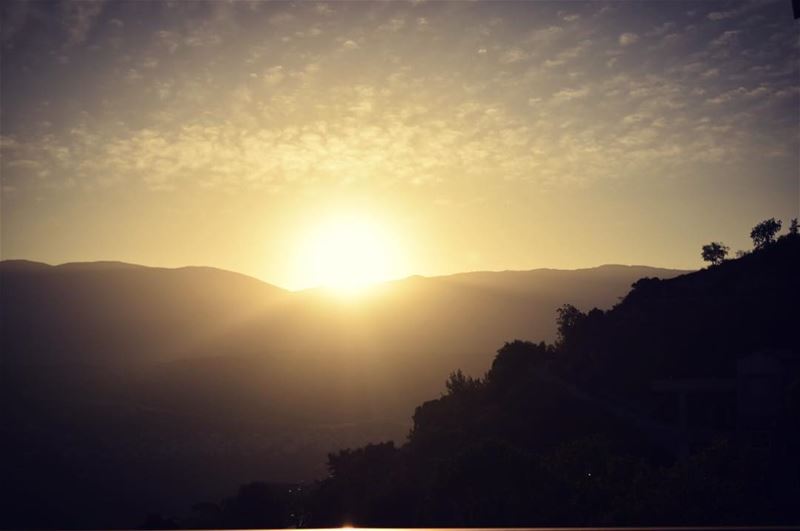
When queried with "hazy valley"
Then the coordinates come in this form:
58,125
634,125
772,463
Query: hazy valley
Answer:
159,371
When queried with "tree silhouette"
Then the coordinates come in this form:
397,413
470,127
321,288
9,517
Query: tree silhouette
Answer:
568,317
793,227
764,233
572,434
459,383
715,252
256,504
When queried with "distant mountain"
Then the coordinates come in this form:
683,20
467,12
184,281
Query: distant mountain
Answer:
225,338
112,312
151,372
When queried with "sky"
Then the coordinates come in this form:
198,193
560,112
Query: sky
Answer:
467,135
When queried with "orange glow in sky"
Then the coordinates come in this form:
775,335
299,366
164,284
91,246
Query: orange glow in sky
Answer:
346,254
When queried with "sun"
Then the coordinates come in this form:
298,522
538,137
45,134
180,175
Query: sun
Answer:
347,254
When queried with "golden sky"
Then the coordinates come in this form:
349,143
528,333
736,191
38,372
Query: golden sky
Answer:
463,135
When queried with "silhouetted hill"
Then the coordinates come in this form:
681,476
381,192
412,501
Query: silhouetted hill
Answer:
694,325
568,434
573,426
111,312
186,382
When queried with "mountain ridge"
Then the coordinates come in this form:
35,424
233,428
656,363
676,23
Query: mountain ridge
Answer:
244,380
100,265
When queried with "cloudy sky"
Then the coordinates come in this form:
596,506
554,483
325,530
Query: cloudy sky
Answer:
477,135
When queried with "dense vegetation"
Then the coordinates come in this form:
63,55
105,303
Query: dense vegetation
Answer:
558,434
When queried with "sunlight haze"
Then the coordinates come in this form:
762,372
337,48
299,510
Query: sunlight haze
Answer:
347,254
488,136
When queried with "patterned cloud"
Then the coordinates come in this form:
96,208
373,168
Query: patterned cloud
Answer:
424,98
273,94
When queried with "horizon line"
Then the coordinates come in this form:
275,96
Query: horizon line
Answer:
326,288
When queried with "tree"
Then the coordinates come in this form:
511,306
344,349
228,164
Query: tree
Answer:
458,383
568,317
793,227
764,233
715,252
257,505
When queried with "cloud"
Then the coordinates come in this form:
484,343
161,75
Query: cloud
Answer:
323,9
661,29
545,36
280,19
571,94
393,26
746,7
740,92
445,105
168,40
79,18
512,55
727,38
721,15
274,75
15,15
574,52
552,63
626,39
202,37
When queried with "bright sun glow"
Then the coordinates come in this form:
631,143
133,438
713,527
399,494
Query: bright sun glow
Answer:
347,254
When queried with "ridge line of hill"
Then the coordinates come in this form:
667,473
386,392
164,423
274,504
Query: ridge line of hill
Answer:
99,265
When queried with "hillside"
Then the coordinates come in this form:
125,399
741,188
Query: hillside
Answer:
195,340
693,326
162,371
112,312
187,328
565,435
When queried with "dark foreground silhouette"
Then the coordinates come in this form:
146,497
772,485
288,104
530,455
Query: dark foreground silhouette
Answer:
679,406
129,389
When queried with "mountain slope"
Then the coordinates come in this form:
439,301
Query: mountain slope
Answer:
213,376
695,325
107,312
542,440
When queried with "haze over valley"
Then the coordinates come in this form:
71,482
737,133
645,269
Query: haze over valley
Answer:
243,373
